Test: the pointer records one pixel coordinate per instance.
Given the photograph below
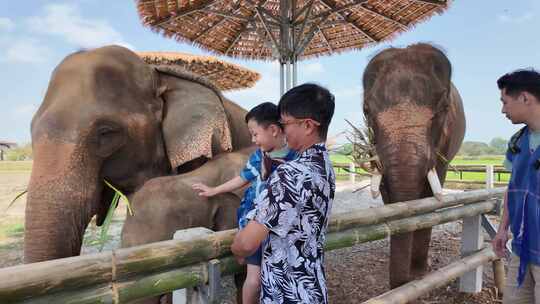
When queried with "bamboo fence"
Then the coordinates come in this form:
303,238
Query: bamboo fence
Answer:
128,274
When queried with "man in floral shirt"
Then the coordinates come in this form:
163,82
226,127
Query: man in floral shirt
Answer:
294,209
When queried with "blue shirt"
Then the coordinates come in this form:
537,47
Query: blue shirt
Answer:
256,173
524,203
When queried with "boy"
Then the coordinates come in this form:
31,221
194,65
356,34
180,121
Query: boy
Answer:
266,133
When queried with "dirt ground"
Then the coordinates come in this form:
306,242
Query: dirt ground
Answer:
354,274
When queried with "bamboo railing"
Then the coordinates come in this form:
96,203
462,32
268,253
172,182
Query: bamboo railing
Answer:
127,274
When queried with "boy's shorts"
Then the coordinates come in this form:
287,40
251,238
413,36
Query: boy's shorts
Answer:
256,258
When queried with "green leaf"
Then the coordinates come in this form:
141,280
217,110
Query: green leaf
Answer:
16,198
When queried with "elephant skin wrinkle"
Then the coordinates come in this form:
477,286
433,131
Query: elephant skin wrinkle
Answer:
405,121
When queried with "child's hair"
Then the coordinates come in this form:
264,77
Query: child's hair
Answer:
265,114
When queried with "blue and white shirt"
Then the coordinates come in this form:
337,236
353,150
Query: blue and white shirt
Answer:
295,207
257,169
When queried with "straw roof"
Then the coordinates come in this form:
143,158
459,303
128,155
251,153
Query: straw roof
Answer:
224,75
251,28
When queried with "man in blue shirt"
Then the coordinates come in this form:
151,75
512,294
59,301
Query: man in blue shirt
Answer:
520,96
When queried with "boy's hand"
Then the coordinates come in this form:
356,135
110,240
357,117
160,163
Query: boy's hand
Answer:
204,190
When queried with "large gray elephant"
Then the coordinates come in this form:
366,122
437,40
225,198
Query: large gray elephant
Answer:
417,116
109,116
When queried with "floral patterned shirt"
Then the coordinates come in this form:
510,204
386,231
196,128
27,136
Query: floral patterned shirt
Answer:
295,206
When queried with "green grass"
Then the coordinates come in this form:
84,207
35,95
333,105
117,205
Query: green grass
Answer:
11,229
472,176
7,165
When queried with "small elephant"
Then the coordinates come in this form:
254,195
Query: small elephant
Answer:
107,115
418,122
181,207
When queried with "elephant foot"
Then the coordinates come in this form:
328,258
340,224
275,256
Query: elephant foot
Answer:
419,270
239,279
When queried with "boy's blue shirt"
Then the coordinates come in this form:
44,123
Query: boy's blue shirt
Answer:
252,173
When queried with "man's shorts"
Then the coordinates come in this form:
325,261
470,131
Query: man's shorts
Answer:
256,258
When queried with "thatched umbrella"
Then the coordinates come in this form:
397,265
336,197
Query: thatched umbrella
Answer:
284,30
224,75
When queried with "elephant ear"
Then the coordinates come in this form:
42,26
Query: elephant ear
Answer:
195,124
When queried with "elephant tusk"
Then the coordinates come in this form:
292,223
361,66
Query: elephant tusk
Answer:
435,184
376,178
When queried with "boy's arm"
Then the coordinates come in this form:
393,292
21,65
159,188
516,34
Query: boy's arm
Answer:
229,186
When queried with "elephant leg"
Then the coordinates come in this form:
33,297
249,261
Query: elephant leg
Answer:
420,251
239,279
400,258
225,217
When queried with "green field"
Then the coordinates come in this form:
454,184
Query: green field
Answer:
471,176
15,165
12,166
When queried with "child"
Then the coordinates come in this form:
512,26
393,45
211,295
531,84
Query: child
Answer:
267,134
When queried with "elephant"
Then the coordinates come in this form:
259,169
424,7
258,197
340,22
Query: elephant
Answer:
417,120
107,115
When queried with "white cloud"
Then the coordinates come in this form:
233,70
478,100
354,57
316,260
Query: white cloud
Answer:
26,50
25,110
506,18
6,24
352,92
313,68
66,22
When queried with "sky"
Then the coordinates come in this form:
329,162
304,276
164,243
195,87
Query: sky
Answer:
483,39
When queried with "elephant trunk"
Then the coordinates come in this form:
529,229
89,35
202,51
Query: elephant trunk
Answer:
63,195
405,171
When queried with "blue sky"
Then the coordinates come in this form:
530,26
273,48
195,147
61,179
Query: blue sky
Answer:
483,39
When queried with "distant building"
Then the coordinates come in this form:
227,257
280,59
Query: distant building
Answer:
4,146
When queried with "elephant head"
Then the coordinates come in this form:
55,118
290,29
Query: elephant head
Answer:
416,116
418,124
107,115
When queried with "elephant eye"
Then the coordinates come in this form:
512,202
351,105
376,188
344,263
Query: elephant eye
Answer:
109,139
107,131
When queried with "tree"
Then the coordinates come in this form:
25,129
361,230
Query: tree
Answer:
499,145
23,152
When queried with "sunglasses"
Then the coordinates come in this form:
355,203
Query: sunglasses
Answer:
298,121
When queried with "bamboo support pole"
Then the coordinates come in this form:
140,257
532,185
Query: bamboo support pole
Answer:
162,263
410,208
413,290
499,276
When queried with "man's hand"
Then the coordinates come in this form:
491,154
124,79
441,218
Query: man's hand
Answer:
204,190
499,242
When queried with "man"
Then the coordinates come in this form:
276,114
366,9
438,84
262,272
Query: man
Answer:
293,211
520,96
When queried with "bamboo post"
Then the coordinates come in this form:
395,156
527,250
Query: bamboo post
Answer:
352,172
499,276
413,290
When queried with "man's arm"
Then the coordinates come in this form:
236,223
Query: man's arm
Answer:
249,239
500,239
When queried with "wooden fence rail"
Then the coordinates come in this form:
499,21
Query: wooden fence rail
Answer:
127,274
348,169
